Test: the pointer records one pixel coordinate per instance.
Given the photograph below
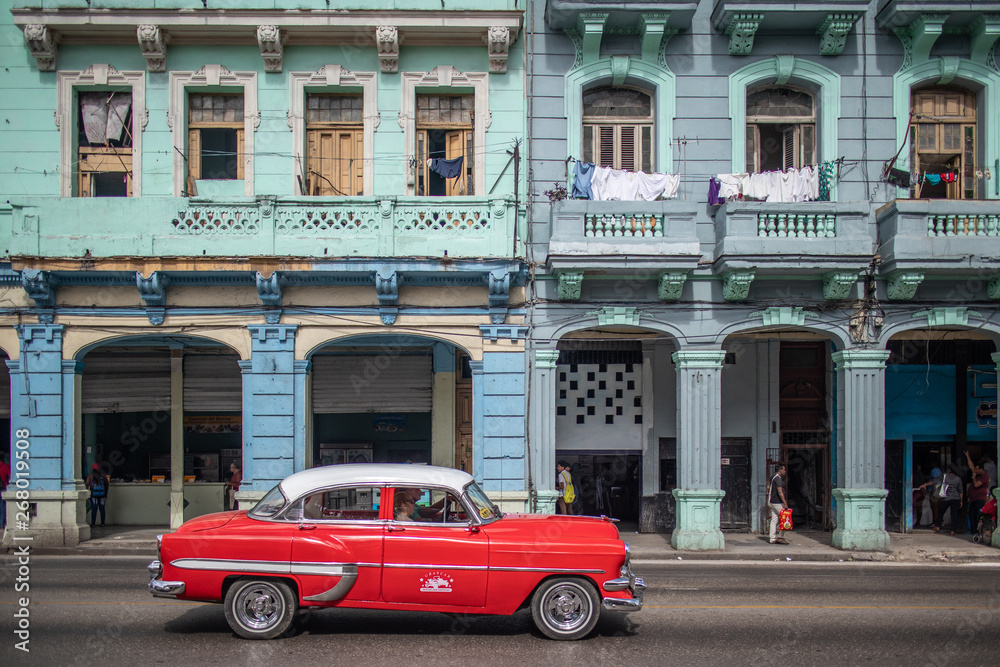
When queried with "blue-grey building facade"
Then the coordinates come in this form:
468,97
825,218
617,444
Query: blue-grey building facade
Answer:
681,348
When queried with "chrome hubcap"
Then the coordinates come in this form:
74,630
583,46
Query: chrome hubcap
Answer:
566,608
259,607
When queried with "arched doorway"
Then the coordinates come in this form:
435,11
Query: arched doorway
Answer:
130,414
393,399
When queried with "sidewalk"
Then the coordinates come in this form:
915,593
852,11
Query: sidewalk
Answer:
923,546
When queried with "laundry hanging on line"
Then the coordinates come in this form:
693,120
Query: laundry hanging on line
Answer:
791,185
607,184
446,168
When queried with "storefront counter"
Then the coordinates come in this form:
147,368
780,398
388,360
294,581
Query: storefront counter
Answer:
148,504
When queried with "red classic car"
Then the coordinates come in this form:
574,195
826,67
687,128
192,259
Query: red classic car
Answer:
408,537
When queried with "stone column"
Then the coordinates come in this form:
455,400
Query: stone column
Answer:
500,405
443,424
273,411
860,450
477,420
996,360
699,449
176,438
542,429
302,441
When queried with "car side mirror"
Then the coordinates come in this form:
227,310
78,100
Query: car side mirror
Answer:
472,529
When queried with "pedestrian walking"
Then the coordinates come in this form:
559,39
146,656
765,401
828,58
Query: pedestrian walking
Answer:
777,501
97,482
234,485
564,485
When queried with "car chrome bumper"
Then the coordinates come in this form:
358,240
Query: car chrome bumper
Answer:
162,589
625,581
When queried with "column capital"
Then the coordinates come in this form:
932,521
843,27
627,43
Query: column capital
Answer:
72,366
996,358
857,359
476,367
546,358
699,358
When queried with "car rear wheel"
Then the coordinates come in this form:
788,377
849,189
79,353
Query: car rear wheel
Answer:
260,608
565,608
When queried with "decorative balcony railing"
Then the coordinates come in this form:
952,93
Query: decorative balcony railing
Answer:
302,227
974,224
811,237
803,225
928,236
622,224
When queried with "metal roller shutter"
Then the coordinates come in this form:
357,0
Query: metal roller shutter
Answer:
126,381
4,389
369,383
212,383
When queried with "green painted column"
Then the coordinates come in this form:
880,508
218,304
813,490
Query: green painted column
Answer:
861,450
699,450
542,430
996,360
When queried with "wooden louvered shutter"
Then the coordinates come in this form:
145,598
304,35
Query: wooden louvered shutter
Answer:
421,166
627,148
751,152
606,148
194,154
808,137
241,156
454,147
788,148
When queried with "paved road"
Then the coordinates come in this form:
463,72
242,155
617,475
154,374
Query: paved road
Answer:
95,610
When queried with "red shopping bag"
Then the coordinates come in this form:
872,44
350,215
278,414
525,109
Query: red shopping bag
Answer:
785,520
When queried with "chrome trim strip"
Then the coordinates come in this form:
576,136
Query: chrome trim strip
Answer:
618,604
166,589
434,566
560,570
266,567
342,588
325,569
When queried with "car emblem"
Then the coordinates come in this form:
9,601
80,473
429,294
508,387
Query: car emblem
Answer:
436,582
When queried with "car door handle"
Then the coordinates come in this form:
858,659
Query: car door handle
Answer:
306,526
396,529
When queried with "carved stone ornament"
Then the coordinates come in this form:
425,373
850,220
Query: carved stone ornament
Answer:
736,285
387,291
42,44
153,291
271,49
387,40
993,289
837,285
269,290
618,316
741,31
833,33
499,288
36,283
903,285
670,285
498,46
153,47
570,284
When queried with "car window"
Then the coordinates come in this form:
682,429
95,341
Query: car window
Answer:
360,503
270,504
428,505
484,507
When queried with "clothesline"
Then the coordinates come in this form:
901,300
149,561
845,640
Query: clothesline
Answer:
607,184
811,183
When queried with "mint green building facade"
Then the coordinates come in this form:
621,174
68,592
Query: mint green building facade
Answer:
257,262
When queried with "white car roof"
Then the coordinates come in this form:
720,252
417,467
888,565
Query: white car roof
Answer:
297,485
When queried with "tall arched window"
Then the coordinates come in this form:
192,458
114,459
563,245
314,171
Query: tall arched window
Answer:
618,128
781,129
943,142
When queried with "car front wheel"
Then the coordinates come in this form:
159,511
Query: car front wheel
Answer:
260,609
565,608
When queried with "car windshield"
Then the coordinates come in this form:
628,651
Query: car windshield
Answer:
485,508
270,504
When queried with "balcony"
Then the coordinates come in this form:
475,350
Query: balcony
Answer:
624,237
830,20
793,238
458,227
939,236
560,14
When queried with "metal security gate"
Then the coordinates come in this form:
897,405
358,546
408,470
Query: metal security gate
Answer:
372,383
4,389
126,380
735,506
894,485
212,383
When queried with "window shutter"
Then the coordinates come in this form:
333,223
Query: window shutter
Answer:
588,143
788,148
606,149
454,143
357,178
628,160
751,152
194,154
646,161
469,171
241,157
808,144
421,166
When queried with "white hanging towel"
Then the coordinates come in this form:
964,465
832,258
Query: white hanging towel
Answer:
652,186
729,185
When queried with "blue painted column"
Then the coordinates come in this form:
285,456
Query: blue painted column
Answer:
699,449
996,359
42,415
542,430
478,461
503,425
861,490
302,414
271,409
